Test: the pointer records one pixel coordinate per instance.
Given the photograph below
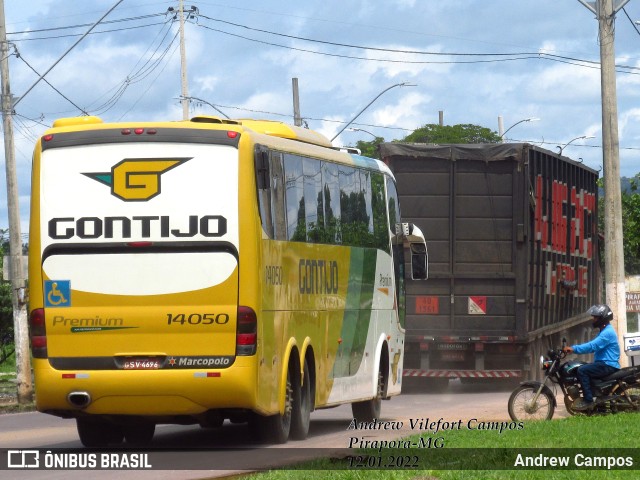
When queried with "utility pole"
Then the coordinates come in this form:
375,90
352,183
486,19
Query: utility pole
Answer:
605,11
183,66
18,291
297,119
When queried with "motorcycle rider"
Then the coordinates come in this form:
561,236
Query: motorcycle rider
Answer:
606,352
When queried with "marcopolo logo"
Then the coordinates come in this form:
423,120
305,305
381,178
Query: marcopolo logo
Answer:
136,179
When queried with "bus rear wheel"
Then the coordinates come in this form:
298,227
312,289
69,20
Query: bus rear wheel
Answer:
140,433
98,433
369,410
301,408
276,428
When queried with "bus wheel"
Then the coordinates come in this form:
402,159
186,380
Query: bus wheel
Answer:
276,428
98,433
301,409
139,433
369,410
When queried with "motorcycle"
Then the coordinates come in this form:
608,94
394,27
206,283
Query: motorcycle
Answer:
532,400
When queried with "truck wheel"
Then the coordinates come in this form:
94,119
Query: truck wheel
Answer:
98,433
369,410
301,411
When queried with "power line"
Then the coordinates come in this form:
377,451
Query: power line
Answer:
84,25
152,62
67,51
632,22
141,74
146,90
353,57
512,56
361,47
38,121
49,83
92,33
138,75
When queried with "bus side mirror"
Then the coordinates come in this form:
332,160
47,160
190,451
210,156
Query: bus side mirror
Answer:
414,238
419,261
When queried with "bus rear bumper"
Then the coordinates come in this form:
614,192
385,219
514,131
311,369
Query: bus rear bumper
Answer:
145,392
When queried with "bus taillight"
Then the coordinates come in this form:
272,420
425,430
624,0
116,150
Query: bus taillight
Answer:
247,332
38,333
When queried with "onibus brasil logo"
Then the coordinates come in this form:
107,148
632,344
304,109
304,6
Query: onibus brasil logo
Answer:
136,179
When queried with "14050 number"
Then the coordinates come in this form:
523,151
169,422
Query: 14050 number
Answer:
198,318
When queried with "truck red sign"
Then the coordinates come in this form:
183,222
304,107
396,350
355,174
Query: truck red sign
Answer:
427,304
477,305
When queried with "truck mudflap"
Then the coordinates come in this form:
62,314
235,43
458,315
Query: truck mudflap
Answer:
412,372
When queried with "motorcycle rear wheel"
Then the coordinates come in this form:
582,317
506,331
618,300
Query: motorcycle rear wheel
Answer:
633,394
568,403
521,409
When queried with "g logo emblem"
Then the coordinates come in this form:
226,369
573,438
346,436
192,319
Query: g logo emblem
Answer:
136,179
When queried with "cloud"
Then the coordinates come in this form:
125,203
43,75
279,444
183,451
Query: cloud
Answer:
628,125
406,112
564,84
206,83
230,69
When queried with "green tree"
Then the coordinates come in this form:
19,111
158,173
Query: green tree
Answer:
370,149
6,308
464,133
432,133
630,223
631,226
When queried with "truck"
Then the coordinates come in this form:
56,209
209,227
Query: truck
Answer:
512,233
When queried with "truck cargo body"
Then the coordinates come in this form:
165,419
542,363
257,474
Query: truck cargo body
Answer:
513,246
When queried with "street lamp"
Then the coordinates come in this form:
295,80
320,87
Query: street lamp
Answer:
532,119
573,140
365,131
403,84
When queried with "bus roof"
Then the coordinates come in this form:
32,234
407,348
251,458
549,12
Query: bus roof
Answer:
267,127
274,129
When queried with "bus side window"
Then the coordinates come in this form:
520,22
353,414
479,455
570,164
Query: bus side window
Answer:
264,189
380,228
270,183
294,185
278,211
331,203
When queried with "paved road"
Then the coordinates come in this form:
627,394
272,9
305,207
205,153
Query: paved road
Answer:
329,430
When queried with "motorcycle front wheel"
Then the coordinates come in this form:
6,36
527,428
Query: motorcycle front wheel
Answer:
522,407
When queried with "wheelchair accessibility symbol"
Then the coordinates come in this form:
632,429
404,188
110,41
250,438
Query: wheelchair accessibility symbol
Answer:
57,293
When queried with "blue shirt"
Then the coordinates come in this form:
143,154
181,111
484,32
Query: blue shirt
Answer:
604,346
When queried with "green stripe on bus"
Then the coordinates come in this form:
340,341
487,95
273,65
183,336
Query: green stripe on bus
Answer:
357,315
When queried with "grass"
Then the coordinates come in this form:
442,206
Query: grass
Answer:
7,383
7,372
580,434
9,365
8,401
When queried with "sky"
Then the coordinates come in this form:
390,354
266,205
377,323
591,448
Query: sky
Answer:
472,60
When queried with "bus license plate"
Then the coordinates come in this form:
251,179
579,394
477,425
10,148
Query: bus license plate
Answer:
141,364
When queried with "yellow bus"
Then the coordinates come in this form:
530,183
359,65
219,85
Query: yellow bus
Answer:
208,270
